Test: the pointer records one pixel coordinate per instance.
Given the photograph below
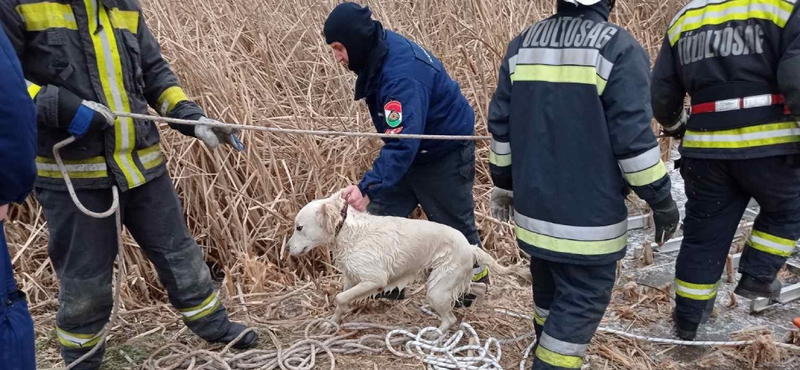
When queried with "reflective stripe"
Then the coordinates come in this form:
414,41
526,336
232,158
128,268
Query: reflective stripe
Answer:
42,16
77,169
642,161
33,89
567,57
125,19
583,233
697,292
204,309
557,359
151,157
580,247
110,71
748,102
540,314
771,244
500,160
769,134
776,11
647,176
482,273
512,64
562,347
560,74
679,122
77,340
169,99
500,147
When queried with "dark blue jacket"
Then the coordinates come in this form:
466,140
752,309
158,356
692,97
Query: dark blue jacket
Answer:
17,129
430,103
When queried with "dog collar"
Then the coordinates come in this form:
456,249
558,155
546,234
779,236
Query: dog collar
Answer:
341,224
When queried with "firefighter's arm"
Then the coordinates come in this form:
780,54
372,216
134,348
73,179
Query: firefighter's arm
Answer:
498,125
56,107
397,155
789,65
626,100
161,87
17,129
668,93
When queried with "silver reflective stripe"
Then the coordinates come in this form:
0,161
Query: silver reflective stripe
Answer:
743,137
782,14
580,233
562,347
72,167
642,161
29,84
197,311
512,64
695,4
567,57
771,244
791,1
500,147
150,157
680,122
541,312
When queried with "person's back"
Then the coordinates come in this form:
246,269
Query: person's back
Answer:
570,130
448,112
739,62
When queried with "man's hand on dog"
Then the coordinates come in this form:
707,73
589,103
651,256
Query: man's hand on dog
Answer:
352,195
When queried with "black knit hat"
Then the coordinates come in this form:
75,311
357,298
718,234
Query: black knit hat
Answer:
353,26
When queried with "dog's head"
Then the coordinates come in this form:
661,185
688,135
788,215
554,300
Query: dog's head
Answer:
315,224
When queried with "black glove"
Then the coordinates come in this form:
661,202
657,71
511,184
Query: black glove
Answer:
79,116
666,218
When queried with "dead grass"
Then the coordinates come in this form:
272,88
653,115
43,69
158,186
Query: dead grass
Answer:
264,63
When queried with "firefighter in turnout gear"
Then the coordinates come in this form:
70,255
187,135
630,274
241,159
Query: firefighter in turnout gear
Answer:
83,59
408,91
570,124
739,61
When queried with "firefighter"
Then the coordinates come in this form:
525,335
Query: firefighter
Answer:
570,126
739,63
83,59
408,91
17,175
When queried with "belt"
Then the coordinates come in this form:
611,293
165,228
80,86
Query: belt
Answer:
755,101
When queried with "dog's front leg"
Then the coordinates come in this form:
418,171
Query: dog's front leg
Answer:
343,299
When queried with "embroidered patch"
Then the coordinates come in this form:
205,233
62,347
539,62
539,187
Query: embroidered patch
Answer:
394,113
394,130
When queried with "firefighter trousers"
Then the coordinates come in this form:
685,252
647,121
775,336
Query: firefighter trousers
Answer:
718,192
17,346
569,301
82,250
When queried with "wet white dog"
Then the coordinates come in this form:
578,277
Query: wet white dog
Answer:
378,253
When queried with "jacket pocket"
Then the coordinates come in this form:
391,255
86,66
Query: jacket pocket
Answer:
135,58
58,62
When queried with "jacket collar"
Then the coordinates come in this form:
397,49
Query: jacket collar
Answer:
367,81
600,9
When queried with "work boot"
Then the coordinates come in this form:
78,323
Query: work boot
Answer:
481,275
684,330
752,288
247,341
92,362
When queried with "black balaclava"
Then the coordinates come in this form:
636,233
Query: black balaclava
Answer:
353,26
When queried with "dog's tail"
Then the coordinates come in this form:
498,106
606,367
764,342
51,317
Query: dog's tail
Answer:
486,259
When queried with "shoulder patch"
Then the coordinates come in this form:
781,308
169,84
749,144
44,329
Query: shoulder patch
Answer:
393,112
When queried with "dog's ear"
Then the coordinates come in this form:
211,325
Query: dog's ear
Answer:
329,216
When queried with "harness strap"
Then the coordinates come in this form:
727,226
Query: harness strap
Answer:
755,101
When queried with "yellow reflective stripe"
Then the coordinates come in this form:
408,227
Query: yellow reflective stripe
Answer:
697,292
587,248
169,99
481,274
771,244
33,89
151,157
89,168
776,11
560,74
42,16
125,19
73,340
761,135
539,319
647,176
110,71
557,359
202,310
93,160
500,160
